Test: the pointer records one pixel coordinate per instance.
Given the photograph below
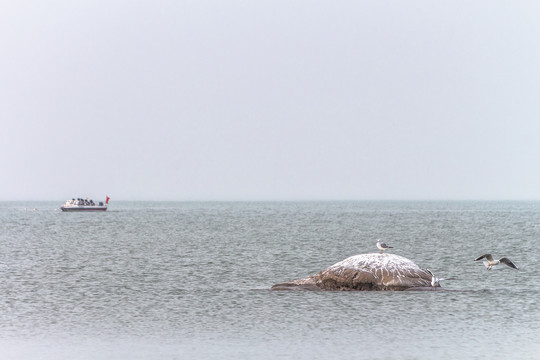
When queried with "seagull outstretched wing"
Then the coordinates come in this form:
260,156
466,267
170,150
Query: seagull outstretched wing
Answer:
488,257
508,262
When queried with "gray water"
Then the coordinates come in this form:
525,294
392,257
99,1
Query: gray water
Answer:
191,281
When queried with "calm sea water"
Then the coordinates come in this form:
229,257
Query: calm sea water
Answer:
191,281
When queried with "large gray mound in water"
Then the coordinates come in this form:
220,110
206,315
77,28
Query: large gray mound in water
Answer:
365,272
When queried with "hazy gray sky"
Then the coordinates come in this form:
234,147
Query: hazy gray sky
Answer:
262,100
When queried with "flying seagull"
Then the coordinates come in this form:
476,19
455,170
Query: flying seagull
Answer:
490,262
382,246
435,280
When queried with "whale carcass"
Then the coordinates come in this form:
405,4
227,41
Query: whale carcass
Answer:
365,272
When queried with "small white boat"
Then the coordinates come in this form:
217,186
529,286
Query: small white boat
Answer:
84,205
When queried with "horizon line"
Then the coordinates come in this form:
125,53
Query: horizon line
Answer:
300,200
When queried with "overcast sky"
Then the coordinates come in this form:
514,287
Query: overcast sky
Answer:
269,100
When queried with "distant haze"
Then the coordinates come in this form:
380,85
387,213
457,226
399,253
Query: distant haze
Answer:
269,100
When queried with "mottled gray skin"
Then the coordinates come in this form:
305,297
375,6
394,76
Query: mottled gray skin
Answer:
365,272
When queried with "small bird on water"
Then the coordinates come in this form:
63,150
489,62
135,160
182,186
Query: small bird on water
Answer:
435,280
489,262
382,246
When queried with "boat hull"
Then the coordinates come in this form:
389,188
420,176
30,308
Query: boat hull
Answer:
79,208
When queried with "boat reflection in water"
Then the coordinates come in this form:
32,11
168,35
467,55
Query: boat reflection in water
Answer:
84,205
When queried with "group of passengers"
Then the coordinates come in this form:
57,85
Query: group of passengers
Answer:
84,202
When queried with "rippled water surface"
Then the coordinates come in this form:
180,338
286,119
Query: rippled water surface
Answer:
191,280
